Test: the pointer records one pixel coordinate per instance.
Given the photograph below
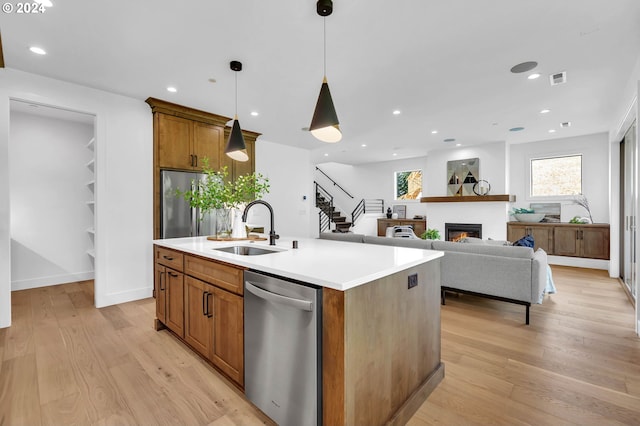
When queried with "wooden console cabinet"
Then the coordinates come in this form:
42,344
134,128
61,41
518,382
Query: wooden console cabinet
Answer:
565,239
203,305
419,225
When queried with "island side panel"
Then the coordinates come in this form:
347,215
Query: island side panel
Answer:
333,408
392,344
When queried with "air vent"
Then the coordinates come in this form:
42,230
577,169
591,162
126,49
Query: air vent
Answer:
565,124
558,78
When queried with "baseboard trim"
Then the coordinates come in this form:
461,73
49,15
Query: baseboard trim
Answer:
578,262
123,296
51,280
419,396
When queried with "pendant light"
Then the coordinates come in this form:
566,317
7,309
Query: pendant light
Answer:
236,148
325,125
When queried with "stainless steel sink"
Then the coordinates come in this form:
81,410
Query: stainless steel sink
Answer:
246,250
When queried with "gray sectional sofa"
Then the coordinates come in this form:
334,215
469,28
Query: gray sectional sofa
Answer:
484,268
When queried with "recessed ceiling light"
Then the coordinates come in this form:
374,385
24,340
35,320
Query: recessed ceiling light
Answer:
326,155
533,76
516,129
552,130
395,154
433,132
545,111
255,113
37,50
458,144
396,112
172,89
449,140
524,67
364,145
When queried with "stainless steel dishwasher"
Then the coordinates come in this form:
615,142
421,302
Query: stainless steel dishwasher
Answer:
282,348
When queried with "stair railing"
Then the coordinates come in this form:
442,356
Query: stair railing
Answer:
324,201
334,182
374,205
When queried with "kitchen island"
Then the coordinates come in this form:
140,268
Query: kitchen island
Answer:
380,334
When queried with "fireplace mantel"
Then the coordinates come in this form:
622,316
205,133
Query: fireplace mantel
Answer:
469,199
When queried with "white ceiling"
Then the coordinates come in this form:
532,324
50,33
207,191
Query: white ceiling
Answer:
444,63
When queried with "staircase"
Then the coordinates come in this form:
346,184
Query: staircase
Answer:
335,216
328,213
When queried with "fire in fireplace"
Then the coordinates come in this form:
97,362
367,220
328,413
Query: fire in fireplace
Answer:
457,231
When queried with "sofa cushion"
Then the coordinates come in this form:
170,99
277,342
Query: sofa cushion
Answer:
473,240
490,250
399,242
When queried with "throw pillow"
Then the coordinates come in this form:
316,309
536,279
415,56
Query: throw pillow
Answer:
526,241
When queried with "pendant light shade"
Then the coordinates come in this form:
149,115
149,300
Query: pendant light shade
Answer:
325,125
236,149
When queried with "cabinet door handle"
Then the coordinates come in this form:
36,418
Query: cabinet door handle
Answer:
191,160
209,313
167,257
204,302
196,159
161,280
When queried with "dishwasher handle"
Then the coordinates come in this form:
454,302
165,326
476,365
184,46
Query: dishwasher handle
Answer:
303,305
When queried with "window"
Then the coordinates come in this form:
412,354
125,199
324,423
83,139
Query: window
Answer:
408,185
556,176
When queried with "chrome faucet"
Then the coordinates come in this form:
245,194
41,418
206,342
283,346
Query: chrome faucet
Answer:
272,233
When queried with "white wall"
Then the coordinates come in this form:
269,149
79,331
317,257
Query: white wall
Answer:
290,176
124,187
492,215
373,180
595,172
48,194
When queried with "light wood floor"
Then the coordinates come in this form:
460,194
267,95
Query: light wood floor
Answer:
64,362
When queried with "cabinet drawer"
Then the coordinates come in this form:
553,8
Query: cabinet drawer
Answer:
218,274
170,258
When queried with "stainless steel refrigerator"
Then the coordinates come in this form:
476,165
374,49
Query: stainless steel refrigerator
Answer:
178,218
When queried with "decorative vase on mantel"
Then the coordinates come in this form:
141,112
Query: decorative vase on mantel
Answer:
223,223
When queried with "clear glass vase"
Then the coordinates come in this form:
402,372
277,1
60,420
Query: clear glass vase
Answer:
223,223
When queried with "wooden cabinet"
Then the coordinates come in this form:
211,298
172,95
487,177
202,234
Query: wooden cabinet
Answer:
565,239
228,334
183,136
542,235
201,301
581,241
183,144
198,325
169,289
419,226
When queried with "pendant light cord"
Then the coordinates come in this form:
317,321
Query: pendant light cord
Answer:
324,31
236,95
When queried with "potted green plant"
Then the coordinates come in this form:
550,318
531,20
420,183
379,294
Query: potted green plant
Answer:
430,234
219,196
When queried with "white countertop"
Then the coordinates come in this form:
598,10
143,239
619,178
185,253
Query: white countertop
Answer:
335,264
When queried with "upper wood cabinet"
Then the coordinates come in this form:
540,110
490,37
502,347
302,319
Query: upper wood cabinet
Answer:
183,137
184,144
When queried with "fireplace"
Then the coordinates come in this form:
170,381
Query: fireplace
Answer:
457,231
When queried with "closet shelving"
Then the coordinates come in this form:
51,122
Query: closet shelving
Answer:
91,184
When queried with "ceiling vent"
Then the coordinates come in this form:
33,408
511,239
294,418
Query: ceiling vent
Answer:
558,78
565,124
